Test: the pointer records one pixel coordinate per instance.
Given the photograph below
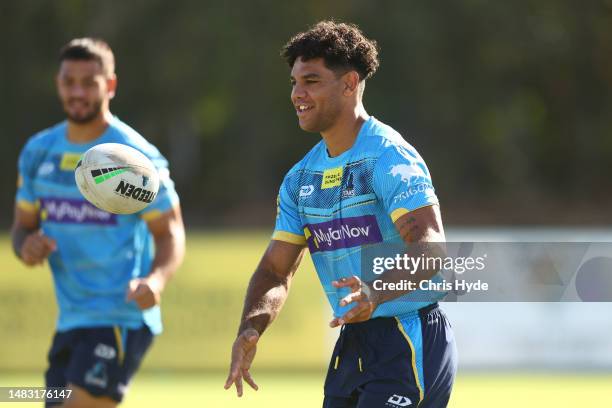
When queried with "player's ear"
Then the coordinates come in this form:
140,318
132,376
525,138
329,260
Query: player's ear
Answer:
351,83
111,85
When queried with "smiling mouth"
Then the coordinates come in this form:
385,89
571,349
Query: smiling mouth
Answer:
302,108
77,104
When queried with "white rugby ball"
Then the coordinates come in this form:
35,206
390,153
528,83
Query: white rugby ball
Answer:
117,178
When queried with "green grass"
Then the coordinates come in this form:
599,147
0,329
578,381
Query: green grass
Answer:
300,390
201,308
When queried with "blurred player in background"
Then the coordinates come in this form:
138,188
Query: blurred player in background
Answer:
362,185
109,270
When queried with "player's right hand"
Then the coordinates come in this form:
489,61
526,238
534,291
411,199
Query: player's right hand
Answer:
36,248
243,353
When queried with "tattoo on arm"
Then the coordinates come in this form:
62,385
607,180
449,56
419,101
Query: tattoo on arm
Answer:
268,289
408,229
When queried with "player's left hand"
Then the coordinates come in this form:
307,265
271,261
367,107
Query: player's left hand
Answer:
361,295
146,292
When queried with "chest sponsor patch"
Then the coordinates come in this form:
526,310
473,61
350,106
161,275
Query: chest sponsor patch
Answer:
331,178
69,161
74,211
342,233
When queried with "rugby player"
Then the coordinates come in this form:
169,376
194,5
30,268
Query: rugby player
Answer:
109,270
362,185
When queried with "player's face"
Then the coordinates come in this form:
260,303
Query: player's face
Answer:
317,94
83,89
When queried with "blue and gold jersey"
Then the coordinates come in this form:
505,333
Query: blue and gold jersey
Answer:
340,205
98,253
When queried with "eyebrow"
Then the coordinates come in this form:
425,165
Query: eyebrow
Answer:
307,76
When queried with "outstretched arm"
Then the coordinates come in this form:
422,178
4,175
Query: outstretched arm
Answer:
267,291
269,285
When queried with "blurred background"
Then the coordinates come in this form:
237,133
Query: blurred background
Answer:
508,102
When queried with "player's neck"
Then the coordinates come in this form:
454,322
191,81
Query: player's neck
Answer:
87,132
342,135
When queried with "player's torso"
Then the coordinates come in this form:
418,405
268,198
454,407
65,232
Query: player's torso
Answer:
341,215
98,253
89,240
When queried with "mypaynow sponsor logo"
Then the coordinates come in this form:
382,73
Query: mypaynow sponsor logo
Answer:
74,212
342,233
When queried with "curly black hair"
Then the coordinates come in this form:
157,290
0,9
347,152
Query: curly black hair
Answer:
342,46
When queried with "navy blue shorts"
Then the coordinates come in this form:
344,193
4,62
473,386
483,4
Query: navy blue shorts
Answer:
101,360
393,362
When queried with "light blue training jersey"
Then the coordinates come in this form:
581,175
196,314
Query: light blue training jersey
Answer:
340,205
98,253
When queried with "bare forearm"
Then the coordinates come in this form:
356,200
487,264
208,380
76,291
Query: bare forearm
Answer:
18,236
265,298
169,254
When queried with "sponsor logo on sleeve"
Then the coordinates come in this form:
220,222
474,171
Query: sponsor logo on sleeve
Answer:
420,188
407,171
73,211
342,233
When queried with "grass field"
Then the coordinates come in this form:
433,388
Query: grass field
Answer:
201,310
299,390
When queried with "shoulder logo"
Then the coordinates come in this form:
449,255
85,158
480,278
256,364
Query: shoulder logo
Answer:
398,401
305,191
407,171
332,178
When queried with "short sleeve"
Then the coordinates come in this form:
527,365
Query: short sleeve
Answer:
167,198
402,181
26,171
288,226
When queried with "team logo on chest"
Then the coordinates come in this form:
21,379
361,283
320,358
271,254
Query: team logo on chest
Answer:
349,189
